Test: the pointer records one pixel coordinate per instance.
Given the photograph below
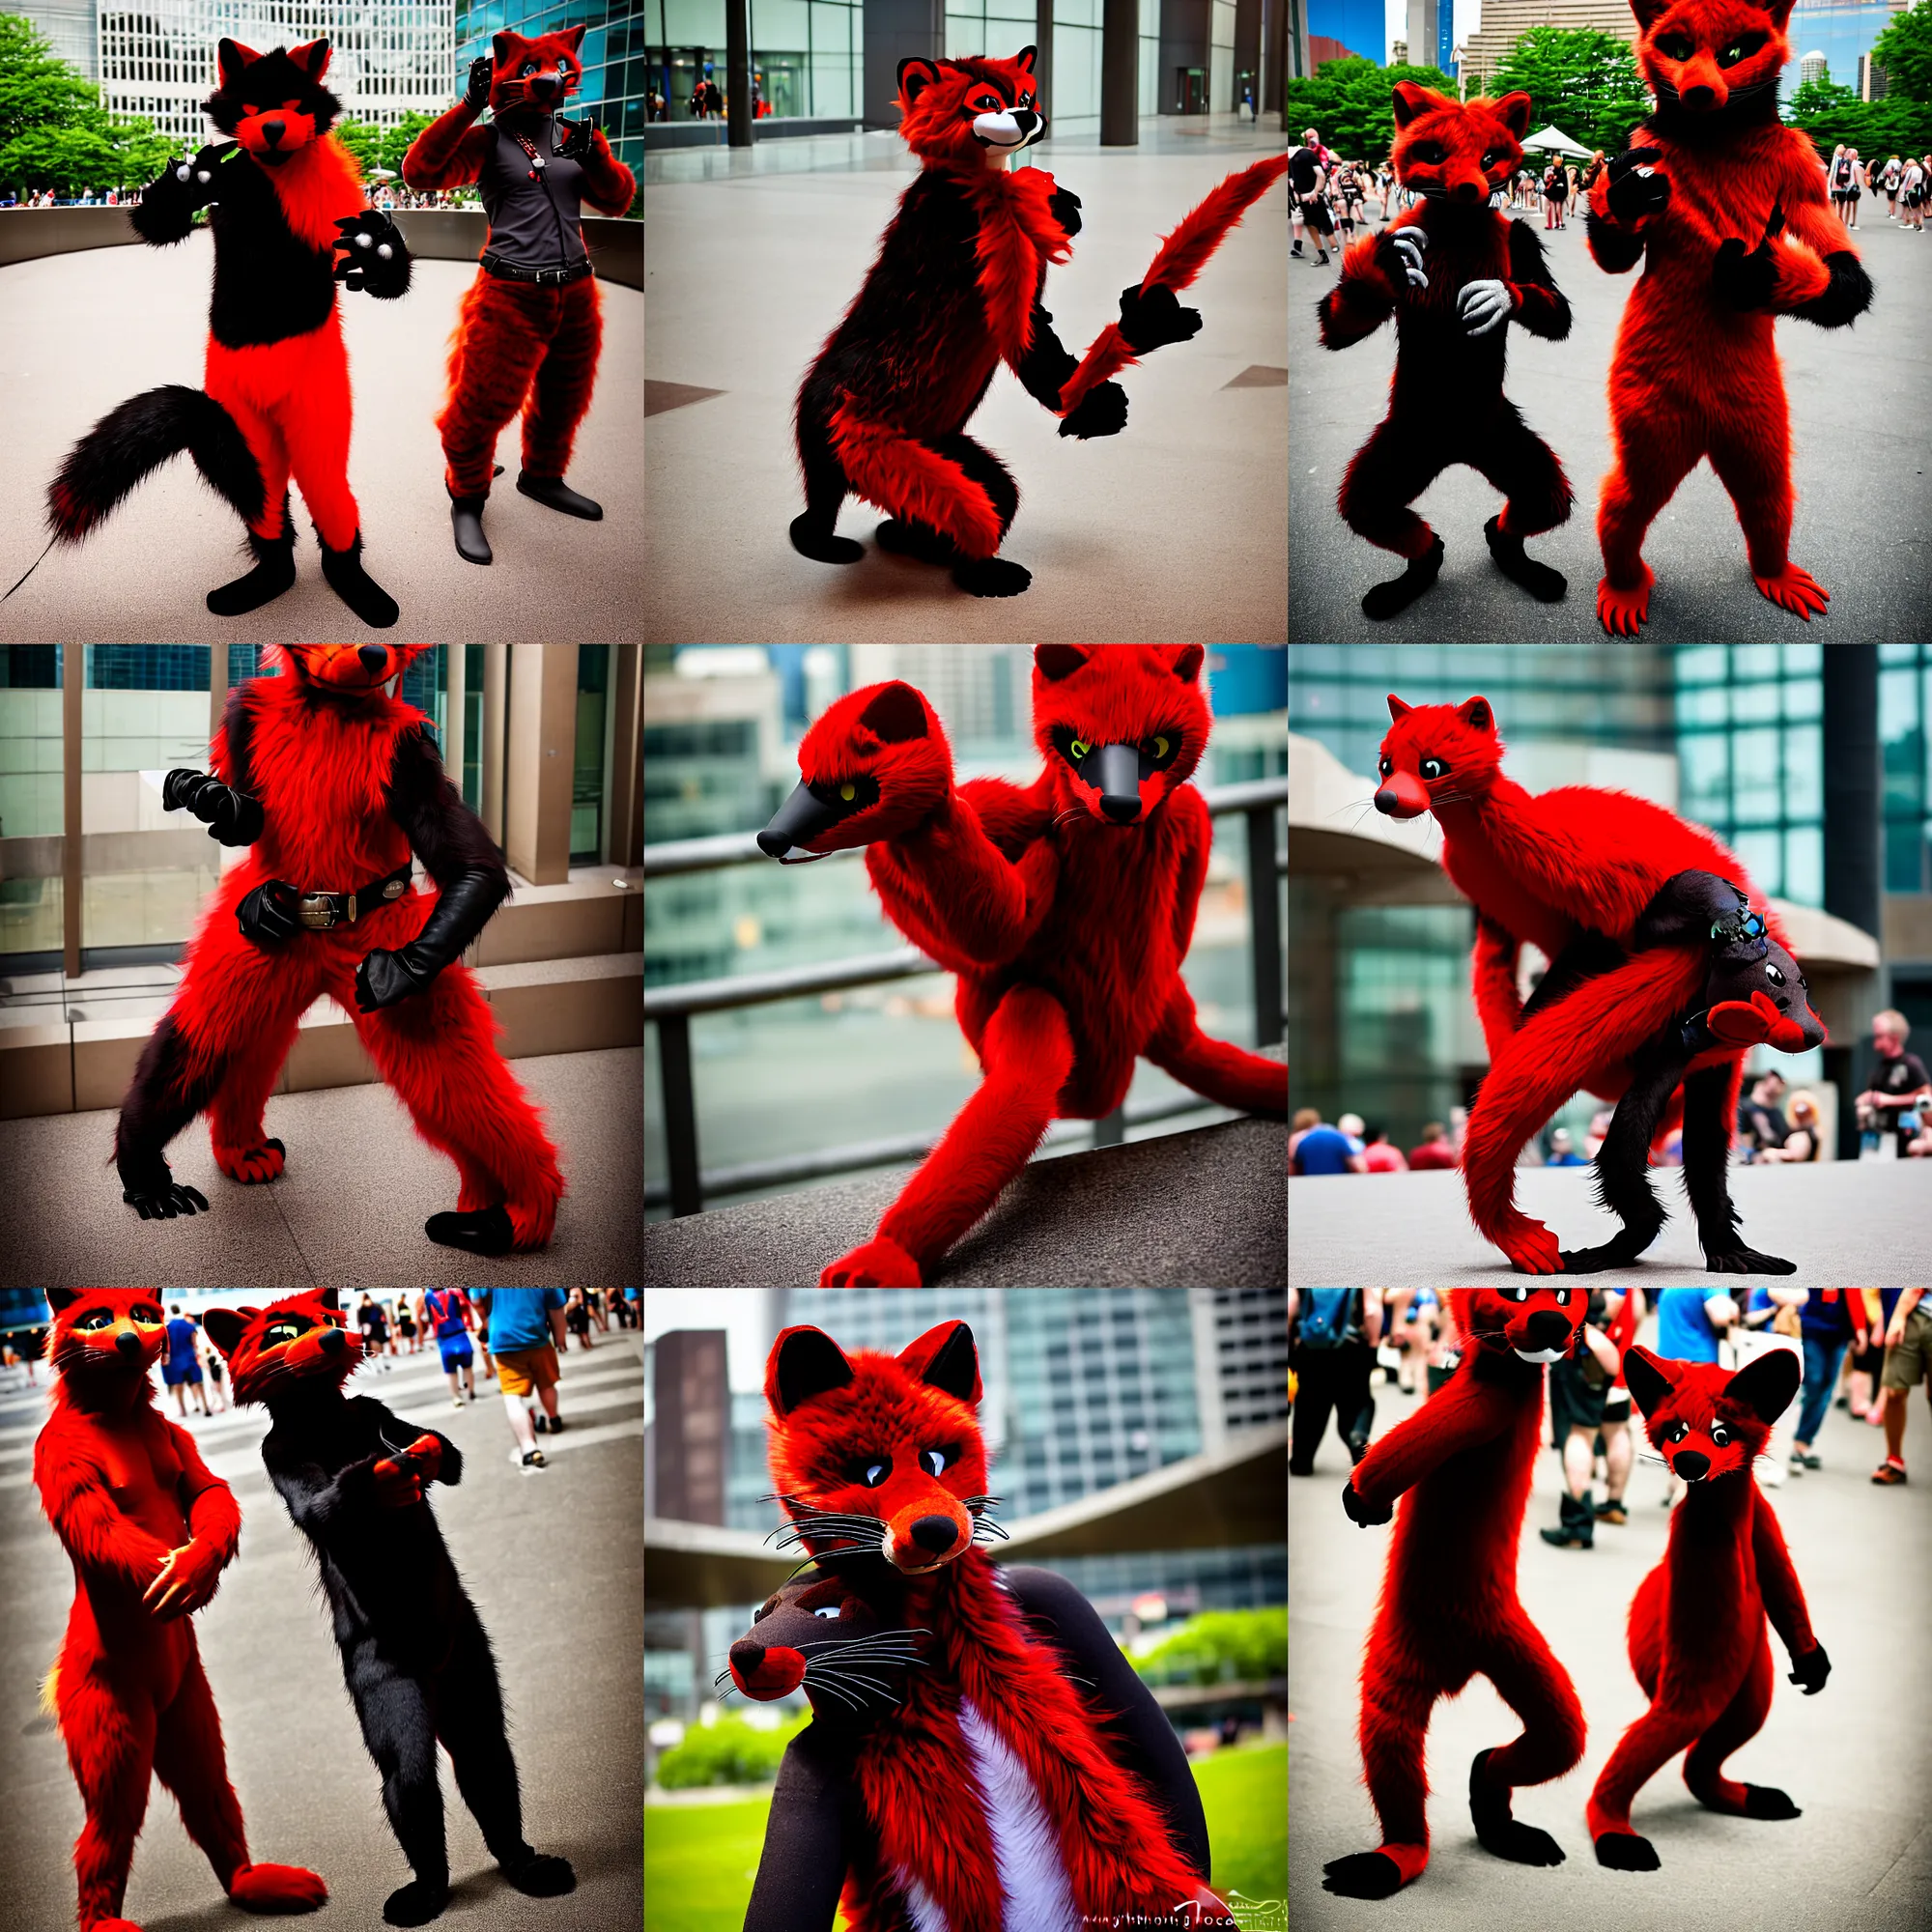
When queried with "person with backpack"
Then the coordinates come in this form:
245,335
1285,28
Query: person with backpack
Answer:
1333,1334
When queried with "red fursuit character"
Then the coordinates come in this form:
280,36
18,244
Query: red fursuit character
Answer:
282,198
1449,1607
1573,872
1697,1637
1726,206
333,783
528,339
1454,273
1065,910
150,1531
1022,1776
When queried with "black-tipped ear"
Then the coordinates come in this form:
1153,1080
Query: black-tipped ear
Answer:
1767,1382
224,1327
809,1363
330,1299
896,715
59,1299
915,77
1645,1378
1025,58
1058,661
231,57
954,1366
1186,663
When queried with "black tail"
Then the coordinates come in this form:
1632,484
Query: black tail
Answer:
138,436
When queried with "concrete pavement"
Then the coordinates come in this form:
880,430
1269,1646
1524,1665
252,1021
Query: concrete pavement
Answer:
553,1561
1864,523
1856,1758
1844,1223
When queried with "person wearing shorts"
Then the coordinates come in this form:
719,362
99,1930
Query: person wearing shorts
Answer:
526,1334
181,1367
1579,1395
1907,1362
406,1326
445,1311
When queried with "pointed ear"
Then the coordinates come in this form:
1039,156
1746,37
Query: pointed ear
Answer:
1397,710
1779,14
1475,713
329,1298
1513,111
231,57
896,714
60,1299
951,1361
1409,101
225,1327
915,77
312,57
572,38
1645,1378
1025,58
1647,10
504,45
1767,1382
1185,663
1055,661
804,1362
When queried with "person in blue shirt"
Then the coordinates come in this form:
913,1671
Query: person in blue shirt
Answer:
1563,1150
181,1367
1325,1150
446,1310
1690,1319
1825,1326
524,1327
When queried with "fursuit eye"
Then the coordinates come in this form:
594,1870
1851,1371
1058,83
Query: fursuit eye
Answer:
1771,973
1079,749
873,1474
282,1331
1518,1294
933,1461
848,792
1562,1297
1386,767
1159,745
827,1610
1434,769
148,1318
97,1319
1676,46
1719,1434
528,69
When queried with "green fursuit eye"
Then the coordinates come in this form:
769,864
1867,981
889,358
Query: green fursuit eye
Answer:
1079,749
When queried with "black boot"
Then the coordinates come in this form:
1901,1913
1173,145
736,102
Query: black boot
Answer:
1385,599
465,518
274,573
1545,585
1578,1527
559,496
345,576
485,1231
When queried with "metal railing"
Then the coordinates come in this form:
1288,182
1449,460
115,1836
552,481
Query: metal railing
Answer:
670,1008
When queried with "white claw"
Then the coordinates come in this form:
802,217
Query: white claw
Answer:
385,251
365,241
181,174
202,175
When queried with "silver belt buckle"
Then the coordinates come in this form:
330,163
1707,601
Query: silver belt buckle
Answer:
394,890
316,913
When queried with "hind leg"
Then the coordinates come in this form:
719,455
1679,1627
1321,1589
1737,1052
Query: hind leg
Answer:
1526,470
400,1733
560,395
1384,477
1537,1687
110,1745
1394,1722
1656,451
1229,1074
498,342
1752,460
815,535
1742,1719
236,1130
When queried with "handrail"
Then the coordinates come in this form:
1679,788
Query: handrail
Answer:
672,1006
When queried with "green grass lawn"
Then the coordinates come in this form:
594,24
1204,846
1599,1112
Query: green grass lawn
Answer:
699,1859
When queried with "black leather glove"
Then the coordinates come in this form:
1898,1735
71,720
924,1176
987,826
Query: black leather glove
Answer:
476,89
1101,411
576,138
1359,1510
1633,195
267,915
460,913
374,256
1151,317
190,182
232,817
1745,281
1064,204
1811,1669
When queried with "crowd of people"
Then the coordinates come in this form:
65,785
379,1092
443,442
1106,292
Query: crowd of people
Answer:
391,197
1864,1349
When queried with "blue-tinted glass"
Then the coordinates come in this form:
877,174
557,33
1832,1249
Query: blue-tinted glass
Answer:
1756,782
147,666
1905,852
1805,864
30,666
1703,663
244,661
1804,773
1762,855
1754,703
1705,706
1704,762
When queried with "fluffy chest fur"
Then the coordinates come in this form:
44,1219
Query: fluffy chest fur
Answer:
275,242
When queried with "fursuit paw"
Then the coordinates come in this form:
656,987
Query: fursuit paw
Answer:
374,260
486,1231
398,1483
1497,1831
417,1902
1638,188
1623,614
1766,1801
817,541
1621,1252
1530,1246
880,1262
252,1166
1101,411
278,1888
990,577
1795,590
1362,1875
1744,279
1151,318
1745,1261
1385,599
1064,204
539,1875
1811,1669
1545,585
1625,1851
159,1197
1360,1511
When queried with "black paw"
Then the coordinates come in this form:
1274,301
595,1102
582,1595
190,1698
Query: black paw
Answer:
1745,1261
1386,599
1359,1510
991,577
1625,1851
1545,585
373,256
811,539
266,916
1637,189
1743,280
166,1201
1619,1254
487,1232
1101,411
1151,318
1811,1669
1064,204
416,1903
1500,1833
1765,1800
907,539
1362,1875
539,1875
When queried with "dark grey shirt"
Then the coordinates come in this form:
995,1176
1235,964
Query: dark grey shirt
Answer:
534,224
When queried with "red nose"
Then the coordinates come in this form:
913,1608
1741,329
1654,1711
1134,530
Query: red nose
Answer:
1402,796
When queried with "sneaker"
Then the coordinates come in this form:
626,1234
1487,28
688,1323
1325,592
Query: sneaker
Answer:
455,1402
1611,1510
534,1460
1814,1461
1891,1470
1798,1461
540,1422
557,1425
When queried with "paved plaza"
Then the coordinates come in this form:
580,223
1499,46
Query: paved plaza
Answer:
554,1560
1856,1758
1864,523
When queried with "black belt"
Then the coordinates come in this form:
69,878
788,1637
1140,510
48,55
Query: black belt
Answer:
552,278
320,912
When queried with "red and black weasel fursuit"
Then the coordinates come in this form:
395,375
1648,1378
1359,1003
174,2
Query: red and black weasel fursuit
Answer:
987,1791
150,1530
956,291
284,199
1455,273
1725,207
1697,1637
333,783
530,328
1449,1607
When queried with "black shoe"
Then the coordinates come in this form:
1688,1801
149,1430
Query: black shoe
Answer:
1398,593
557,1425
908,539
540,1422
539,1875
821,544
557,495
465,521
1580,1524
991,575
487,1232
1545,585
417,1902
345,576
274,573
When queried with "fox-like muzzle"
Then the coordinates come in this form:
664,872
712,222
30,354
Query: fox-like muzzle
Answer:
1114,771
802,817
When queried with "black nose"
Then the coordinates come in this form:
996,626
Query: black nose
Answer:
1690,1465
774,844
374,656
1468,191
1698,97
935,1533
1122,811
332,1343
1387,800
747,1655
127,1344
1547,1329
271,132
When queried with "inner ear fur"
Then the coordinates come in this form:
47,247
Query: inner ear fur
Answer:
224,1327
1765,1383
954,1367
1186,663
1513,111
1055,661
1476,712
915,77
1645,1378
1397,710
312,57
807,1363
896,715
231,58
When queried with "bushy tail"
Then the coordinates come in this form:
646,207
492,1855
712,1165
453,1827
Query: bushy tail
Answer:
138,438
1181,257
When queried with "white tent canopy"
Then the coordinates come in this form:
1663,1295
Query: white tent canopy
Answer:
1556,139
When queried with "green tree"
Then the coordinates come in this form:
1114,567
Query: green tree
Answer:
364,140
54,131
1220,1646
396,140
1904,51
1582,81
1831,114
1349,102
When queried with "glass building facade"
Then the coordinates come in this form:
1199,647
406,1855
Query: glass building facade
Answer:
1843,31
807,56
616,75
